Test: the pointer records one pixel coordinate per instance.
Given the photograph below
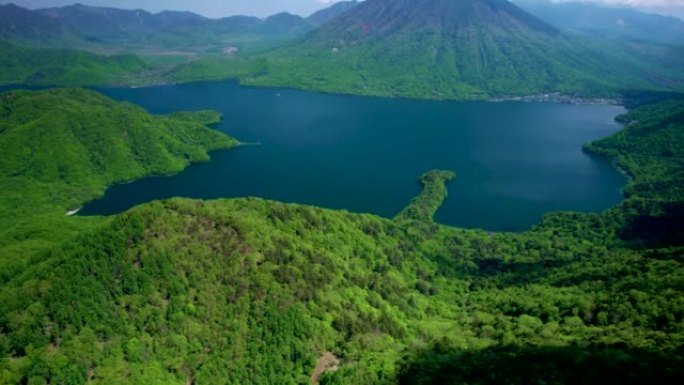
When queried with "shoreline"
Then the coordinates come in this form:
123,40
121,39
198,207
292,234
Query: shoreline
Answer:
552,97
557,97
623,171
71,213
248,144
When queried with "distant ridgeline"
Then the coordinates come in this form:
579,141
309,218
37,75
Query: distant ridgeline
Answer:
435,49
101,28
248,291
596,20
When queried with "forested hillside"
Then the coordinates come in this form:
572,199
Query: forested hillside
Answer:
252,291
469,49
258,292
61,148
63,67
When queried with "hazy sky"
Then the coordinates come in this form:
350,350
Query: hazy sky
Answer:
220,8
210,8
667,7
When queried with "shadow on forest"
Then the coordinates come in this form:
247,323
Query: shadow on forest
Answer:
649,231
635,98
490,267
595,364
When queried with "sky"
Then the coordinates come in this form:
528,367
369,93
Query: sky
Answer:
209,8
263,8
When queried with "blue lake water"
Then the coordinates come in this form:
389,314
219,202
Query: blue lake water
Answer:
514,161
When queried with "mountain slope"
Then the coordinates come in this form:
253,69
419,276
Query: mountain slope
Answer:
63,147
25,25
452,49
378,18
608,22
325,15
95,23
253,292
137,26
286,23
61,67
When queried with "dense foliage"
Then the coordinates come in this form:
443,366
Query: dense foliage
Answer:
248,291
253,291
64,67
423,207
651,151
61,148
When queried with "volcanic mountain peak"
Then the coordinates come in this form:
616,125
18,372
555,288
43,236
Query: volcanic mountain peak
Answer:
453,49
325,15
381,17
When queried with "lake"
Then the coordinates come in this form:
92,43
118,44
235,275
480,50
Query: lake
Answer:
514,161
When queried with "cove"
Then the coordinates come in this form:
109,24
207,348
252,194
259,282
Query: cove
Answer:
514,161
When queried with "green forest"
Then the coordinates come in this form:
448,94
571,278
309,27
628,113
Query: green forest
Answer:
63,147
33,66
249,291
254,291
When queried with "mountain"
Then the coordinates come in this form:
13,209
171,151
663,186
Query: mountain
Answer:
454,49
102,24
286,23
216,35
466,49
325,15
248,291
378,18
108,24
608,22
116,30
169,17
25,25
